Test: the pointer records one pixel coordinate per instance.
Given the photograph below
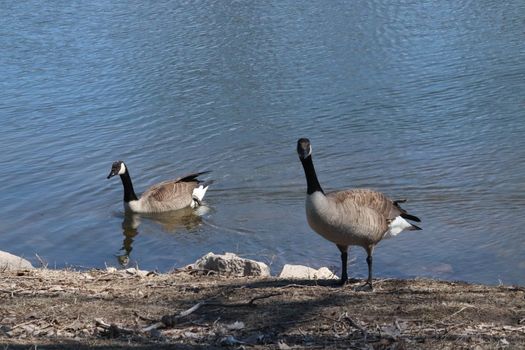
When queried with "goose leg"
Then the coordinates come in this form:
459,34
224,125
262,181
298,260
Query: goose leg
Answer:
368,285
344,262
369,262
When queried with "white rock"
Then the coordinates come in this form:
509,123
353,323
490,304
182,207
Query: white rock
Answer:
12,262
304,272
237,325
134,271
231,264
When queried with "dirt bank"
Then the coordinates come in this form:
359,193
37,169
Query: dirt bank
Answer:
48,309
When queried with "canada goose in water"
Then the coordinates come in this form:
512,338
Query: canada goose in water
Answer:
351,217
186,191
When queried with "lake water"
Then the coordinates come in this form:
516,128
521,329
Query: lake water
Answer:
422,100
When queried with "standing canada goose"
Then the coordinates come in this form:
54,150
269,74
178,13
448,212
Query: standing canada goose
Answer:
186,191
351,217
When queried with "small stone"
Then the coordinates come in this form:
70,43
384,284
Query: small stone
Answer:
232,265
191,335
56,289
304,272
283,346
136,272
237,325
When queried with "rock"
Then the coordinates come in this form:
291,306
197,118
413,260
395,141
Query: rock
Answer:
237,325
232,265
133,271
12,262
304,272
230,341
283,346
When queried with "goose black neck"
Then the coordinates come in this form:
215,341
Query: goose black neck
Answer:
312,184
129,193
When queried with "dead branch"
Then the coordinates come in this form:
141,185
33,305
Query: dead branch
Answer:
43,262
250,303
294,285
457,312
12,292
355,325
171,320
143,318
113,330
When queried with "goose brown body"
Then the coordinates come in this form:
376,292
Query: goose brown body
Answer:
168,195
185,191
352,217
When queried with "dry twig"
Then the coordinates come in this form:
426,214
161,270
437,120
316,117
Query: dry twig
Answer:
170,320
113,330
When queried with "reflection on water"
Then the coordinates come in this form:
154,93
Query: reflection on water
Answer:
185,220
130,226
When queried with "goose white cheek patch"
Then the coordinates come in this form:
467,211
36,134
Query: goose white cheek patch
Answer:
309,152
122,169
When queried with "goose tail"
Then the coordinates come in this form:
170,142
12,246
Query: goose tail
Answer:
414,228
199,192
404,213
410,217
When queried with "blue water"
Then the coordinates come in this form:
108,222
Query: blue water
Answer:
419,99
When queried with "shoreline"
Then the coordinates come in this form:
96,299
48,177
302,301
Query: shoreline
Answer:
103,309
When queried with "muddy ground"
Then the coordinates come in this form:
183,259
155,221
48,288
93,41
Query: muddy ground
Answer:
49,309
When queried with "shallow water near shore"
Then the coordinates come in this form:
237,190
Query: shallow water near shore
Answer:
419,100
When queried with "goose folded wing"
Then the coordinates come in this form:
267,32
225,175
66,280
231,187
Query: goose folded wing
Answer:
376,201
170,191
364,198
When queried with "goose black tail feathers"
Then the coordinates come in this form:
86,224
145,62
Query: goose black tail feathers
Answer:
192,177
207,183
404,213
410,217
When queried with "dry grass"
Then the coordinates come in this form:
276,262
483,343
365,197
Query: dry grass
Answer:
48,309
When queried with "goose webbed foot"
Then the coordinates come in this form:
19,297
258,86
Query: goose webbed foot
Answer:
367,287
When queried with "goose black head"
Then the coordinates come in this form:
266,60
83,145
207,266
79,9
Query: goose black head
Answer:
304,148
118,168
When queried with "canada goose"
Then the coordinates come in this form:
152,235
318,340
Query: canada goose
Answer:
186,191
351,217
